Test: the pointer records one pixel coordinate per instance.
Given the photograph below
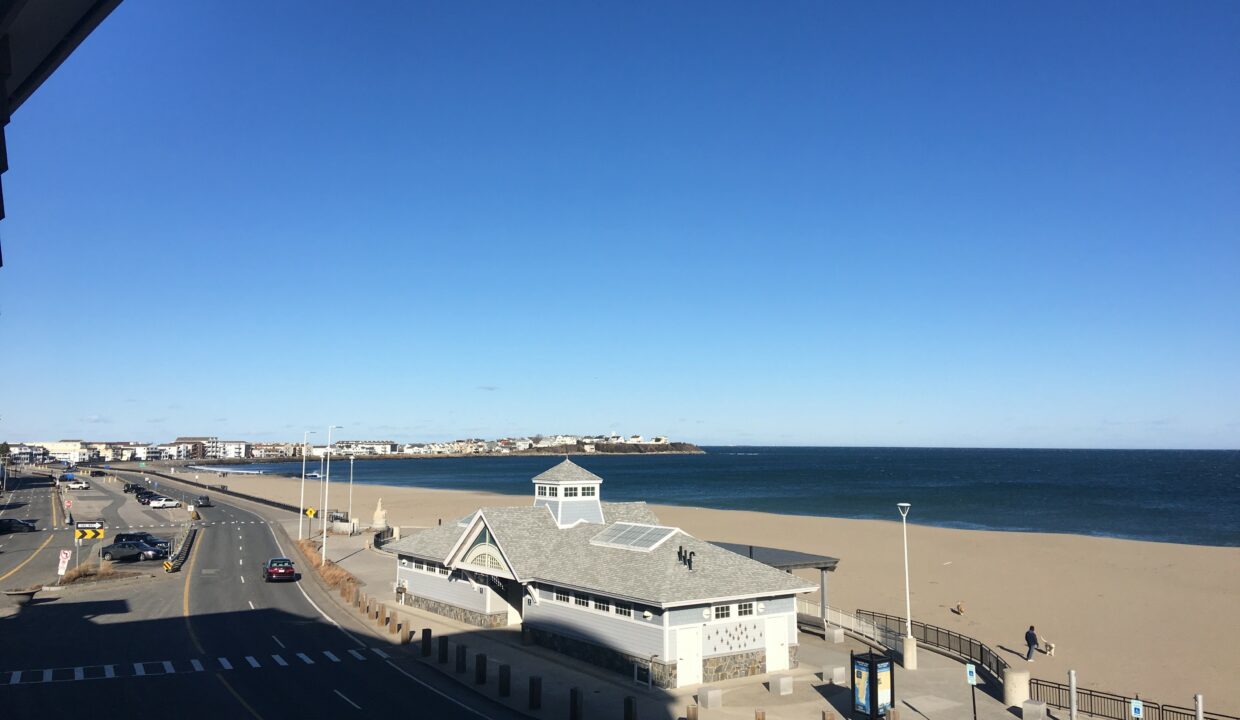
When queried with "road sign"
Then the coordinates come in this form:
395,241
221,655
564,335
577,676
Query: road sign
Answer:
970,673
65,555
89,525
89,534
310,512
1136,708
68,504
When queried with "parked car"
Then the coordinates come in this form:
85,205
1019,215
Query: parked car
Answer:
77,485
164,502
279,569
133,487
131,550
96,473
143,537
13,525
146,497
202,501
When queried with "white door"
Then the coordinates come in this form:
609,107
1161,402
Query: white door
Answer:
777,643
689,656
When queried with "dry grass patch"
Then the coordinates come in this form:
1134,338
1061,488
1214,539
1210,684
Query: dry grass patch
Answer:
91,573
333,575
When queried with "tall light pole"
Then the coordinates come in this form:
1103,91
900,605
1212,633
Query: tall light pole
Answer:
327,484
910,643
305,436
350,494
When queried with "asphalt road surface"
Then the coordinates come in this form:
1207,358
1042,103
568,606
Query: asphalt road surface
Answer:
214,640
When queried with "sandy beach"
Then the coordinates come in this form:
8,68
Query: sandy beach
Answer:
1156,619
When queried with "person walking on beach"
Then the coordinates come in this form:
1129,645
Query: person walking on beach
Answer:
1031,639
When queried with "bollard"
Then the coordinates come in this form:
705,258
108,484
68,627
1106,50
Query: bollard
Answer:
461,657
535,692
574,704
505,680
830,715
426,642
443,650
393,625
759,715
630,707
691,712
480,669
406,636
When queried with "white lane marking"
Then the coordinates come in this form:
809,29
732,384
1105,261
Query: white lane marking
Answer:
78,673
197,665
139,669
253,662
280,661
380,653
15,677
305,658
330,656
357,654
273,637
240,561
240,548
168,667
342,697
224,663
109,671
47,675
397,668
326,617
242,578
251,602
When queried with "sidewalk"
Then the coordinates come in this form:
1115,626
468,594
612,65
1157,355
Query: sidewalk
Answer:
936,690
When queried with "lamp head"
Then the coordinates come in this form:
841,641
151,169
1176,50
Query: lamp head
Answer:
903,507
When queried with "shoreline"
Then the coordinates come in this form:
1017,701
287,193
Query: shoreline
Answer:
1122,613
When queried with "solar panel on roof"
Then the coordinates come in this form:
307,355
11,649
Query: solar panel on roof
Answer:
631,536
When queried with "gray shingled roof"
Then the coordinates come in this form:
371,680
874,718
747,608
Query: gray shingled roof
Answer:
567,471
539,551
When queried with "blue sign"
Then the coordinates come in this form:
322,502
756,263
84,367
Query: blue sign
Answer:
1136,708
861,686
970,673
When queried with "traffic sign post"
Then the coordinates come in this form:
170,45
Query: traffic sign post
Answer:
64,563
1136,708
970,674
88,534
311,512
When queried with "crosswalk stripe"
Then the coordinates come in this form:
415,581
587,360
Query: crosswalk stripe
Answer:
78,673
357,654
139,669
47,675
197,665
331,657
168,667
16,677
109,671
224,663
305,658
253,663
280,661
380,653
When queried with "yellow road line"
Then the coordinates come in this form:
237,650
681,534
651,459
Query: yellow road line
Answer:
189,574
237,695
36,552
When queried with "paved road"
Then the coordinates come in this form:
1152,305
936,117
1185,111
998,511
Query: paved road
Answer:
212,640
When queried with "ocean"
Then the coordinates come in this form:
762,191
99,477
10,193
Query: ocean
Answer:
1179,496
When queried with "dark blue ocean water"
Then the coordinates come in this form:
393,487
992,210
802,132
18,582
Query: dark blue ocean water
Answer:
1162,495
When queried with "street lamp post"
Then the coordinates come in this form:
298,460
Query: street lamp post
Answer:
910,643
350,494
327,485
302,508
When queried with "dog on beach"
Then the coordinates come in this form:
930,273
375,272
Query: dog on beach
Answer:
1049,648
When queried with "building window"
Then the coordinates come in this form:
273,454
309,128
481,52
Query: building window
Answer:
419,565
744,609
588,491
443,570
602,604
582,600
561,595
723,612
624,609
570,492
542,491
553,492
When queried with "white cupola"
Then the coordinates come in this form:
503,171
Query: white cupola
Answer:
571,493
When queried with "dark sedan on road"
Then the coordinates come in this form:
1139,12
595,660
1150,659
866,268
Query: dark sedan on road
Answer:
279,569
13,525
143,537
131,550
146,497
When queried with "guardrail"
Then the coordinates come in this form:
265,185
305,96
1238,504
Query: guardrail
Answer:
944,639
174,563
1109,705
807,609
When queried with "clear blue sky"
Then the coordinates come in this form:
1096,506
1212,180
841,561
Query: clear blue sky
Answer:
979,224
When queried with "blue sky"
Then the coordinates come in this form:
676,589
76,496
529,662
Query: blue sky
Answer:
985,224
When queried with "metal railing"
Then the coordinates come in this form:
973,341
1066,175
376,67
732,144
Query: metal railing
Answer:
864,628
944,639
1109,705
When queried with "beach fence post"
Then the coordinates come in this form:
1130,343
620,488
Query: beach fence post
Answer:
1199,706
535,693
630,707
1072,695
505,680
425,647
574,703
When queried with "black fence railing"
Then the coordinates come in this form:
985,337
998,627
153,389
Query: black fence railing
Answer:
1109,705
973,650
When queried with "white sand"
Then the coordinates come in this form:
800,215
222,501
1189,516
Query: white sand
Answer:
1157,619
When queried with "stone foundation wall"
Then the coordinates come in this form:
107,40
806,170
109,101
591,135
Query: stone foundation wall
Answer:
469,617
792,656
735,665
663,675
